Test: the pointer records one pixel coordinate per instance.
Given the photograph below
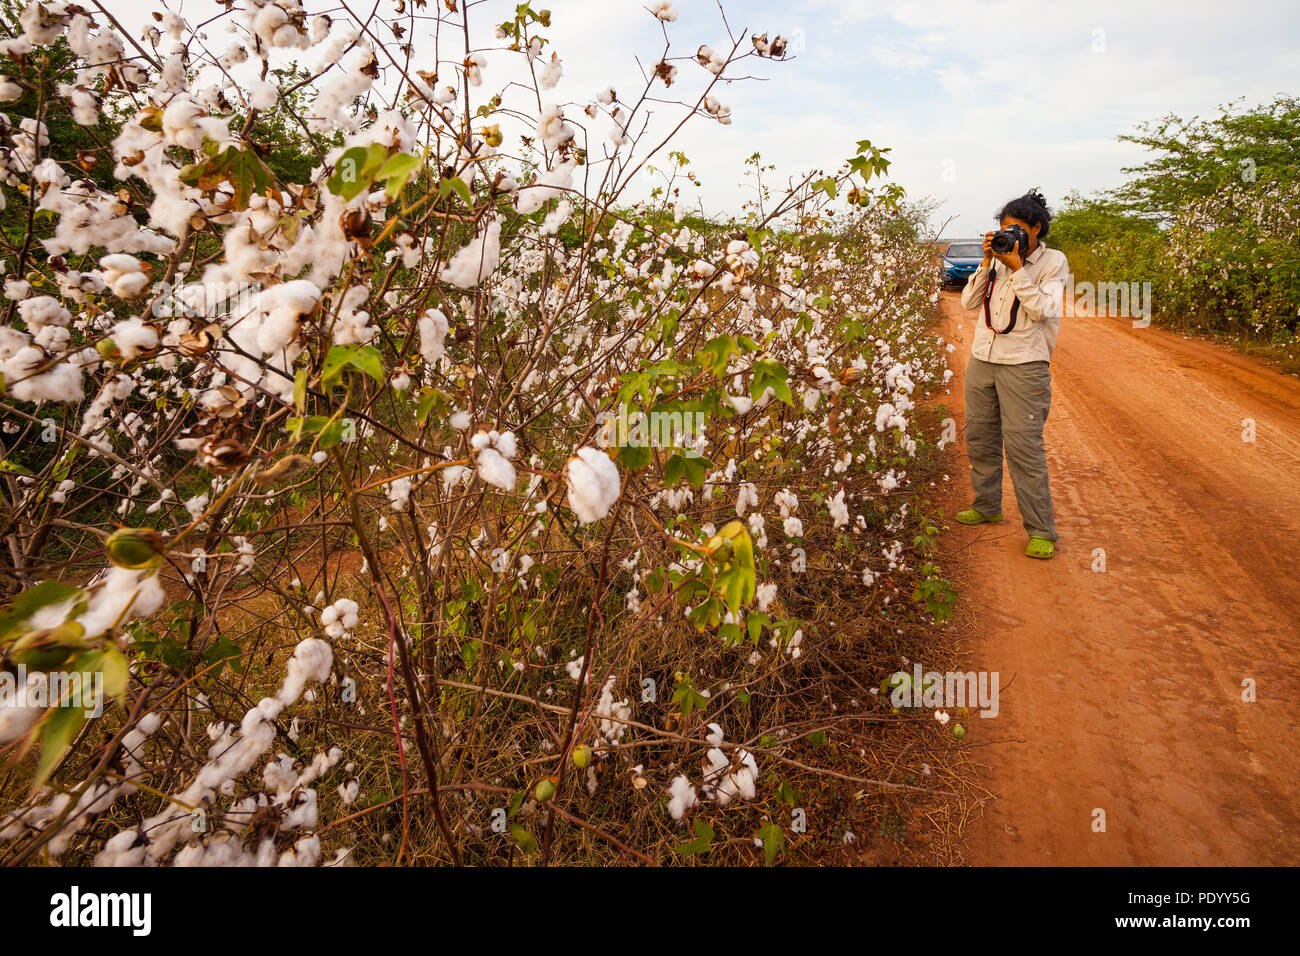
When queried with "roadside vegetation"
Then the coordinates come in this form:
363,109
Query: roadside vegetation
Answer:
1212,221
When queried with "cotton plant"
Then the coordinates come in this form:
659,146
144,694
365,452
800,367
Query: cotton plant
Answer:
262,376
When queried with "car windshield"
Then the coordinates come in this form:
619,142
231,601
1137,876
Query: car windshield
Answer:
965,250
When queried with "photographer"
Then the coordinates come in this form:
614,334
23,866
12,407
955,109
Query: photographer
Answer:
1008,377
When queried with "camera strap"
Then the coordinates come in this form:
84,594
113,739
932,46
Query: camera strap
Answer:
988,295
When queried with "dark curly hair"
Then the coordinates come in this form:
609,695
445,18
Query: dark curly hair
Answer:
1030,208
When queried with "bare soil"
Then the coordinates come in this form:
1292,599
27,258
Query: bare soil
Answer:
1122,689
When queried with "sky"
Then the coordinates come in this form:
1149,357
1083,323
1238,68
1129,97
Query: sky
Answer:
977,101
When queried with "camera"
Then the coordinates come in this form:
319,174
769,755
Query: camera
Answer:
1012,237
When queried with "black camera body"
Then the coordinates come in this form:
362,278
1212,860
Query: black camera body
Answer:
1012,237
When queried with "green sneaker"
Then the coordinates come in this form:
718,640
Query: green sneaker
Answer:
1040,548
971,516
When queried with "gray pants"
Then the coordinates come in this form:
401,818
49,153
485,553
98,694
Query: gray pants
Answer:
1007,405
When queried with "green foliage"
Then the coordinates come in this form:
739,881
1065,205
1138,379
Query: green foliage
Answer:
1212,221
703,841
361,358
936,593
237,165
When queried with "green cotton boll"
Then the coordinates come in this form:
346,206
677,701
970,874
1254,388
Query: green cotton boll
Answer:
135,549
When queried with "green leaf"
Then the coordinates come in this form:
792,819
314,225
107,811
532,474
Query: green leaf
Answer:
300,390
427,399
331,435
523,839
337,359
117,673
32,600
58,731
517,801
248,175
712,357
366,359
703,841
223,651
674,468
355,170
769,373
697,469
773,841
455,184
634,457
369,360
396,172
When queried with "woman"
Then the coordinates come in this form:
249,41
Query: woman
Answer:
1008,378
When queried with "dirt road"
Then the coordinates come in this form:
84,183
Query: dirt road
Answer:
1126,684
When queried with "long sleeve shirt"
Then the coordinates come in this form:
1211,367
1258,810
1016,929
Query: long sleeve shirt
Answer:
1038,285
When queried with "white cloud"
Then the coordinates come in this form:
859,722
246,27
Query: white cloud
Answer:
1005,94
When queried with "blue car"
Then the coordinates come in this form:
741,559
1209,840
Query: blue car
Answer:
960,259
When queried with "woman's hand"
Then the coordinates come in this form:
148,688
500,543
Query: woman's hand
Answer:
1010,259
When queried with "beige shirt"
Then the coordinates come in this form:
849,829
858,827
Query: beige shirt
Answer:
1039,285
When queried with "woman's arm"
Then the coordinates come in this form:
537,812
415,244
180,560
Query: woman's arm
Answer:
1042,299
974,289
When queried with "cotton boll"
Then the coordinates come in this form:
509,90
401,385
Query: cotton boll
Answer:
262,95
119,596
59,383
134,338
681,797
553,129
746,498
839,511
726,781
664,10
340,618
453,476
475,261
17,713
42,311
180,122
399,493
492,453
311,662
710,59
551,183
125,276
556,218
551,73
433,334
475,63
593,483
495,469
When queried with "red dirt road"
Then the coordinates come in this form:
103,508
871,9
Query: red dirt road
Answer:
1126,685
